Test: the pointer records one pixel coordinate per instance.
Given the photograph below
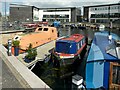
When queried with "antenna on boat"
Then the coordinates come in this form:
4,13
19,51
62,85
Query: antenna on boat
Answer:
110,26
109,18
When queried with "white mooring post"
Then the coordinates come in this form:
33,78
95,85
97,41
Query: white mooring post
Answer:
77,83
9,47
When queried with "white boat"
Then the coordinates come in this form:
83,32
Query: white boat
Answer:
101,26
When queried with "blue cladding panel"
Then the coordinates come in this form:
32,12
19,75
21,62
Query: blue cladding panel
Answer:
106,74
89,75
94,74
73,48
98,73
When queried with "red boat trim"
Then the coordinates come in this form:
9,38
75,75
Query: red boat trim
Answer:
80,50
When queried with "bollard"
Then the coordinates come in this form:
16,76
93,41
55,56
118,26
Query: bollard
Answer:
9,47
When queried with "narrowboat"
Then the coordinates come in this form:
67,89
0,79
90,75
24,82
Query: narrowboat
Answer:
68,49
103,62
40,36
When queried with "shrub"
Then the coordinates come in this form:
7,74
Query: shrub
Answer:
31,53
16,43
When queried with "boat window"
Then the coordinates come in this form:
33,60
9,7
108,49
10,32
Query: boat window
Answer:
81,43
83,40
62,47
116,75
45,29
40,29
52,31
16,37
78,45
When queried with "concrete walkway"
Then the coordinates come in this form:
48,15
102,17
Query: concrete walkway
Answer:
8,79
26,78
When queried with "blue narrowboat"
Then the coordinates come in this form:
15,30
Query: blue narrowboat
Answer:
69,48
103,62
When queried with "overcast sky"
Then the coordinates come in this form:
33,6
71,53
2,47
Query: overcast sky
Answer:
56,3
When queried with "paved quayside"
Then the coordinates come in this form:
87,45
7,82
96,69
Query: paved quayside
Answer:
42,53
26,78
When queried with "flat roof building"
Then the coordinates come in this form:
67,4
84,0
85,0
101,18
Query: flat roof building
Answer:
102,13
22,13
66,14
25,13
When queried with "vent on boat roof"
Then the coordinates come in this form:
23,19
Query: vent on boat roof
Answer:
114,50
118,49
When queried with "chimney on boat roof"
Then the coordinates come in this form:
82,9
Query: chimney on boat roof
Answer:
118,48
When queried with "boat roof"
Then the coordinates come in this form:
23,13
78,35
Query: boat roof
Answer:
100,45
74,37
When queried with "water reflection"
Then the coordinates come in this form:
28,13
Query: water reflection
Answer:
87,32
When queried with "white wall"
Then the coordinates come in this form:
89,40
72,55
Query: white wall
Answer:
40,15
35,14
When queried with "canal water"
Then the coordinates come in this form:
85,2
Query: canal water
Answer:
50,75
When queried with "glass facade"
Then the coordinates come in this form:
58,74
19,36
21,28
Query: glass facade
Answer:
55,16
112,15
105,8
105,13
61,18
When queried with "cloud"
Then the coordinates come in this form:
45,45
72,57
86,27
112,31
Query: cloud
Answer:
66,3
48,1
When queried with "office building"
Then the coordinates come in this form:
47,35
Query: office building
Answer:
25,13
102,13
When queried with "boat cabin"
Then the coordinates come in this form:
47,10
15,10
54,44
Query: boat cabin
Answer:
103,62
69,48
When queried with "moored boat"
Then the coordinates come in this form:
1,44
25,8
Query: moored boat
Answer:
40,36
68,49
103,62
